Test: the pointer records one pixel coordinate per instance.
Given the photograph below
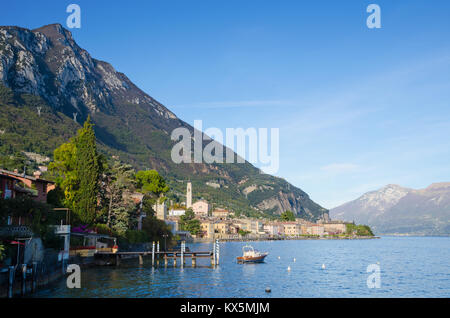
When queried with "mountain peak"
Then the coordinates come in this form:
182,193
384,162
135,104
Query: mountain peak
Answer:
392,186
54,31
438,185
395,209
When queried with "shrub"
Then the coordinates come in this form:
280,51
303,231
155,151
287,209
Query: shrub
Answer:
134,236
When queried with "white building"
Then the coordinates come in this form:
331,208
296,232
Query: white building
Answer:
177,212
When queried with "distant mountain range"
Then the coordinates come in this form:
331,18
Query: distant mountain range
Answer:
44,69
397,210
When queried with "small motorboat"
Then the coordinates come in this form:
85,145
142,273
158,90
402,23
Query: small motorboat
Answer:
251,256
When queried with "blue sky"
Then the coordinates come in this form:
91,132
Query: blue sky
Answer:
357,108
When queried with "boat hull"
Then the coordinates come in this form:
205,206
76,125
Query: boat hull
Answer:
248,259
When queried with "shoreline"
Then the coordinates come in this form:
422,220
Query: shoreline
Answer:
243,239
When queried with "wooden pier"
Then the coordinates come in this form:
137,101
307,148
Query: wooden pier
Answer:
166,256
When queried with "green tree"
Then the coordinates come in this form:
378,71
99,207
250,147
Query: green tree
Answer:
79,168
150,181
287,216
153,185
242,232
118,180
156,230
359,230
147,205
189,223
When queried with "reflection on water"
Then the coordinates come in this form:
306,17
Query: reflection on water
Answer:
410,267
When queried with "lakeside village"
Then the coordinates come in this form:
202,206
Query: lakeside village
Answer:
82,206
222,224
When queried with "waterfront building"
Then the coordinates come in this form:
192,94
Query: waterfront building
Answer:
291,228
207,228
222,227
315,229
237,225
257,227
335,227
274,229
245,224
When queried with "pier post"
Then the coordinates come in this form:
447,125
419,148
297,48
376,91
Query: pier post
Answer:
175,259
194,260
217,252
153,253
141,259
157,256
212,259
166,261
182,253
12,272
24,279
34,277
117,259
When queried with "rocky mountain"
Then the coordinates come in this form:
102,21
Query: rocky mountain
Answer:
49,85
397,210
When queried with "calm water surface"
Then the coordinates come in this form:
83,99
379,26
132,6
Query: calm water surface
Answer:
410,267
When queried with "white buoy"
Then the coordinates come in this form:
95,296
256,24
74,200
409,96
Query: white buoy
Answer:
294,259
278,257
323,266
289,268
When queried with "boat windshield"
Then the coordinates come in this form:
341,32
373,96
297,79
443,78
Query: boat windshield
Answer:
247,249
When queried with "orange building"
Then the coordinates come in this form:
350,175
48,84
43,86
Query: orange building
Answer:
13,184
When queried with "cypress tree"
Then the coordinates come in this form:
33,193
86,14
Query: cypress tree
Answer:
88,170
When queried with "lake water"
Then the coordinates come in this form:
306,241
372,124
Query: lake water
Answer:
410,267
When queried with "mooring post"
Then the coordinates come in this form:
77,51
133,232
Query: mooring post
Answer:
34,277
175,259
24,279
166,261
157,256
194,260
12,273
153,253
217,252
141,259
213,257
182,254
117,259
